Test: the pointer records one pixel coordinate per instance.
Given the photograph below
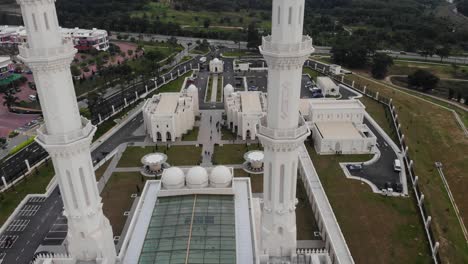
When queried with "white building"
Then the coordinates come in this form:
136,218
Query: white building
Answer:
335,69
168,116
244,111
83,39
328,86
5,67
338,126
216,66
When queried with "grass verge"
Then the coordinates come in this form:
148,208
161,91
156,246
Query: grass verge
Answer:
232,153
116,197
433,135
371,222
177,155
192,135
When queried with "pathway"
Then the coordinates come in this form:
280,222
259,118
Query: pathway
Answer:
214,88
208,134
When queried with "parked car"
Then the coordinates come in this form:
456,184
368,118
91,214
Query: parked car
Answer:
397,165
32,97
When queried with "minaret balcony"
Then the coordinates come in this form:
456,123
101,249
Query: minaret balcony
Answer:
66,48
59,139
283,133
303,47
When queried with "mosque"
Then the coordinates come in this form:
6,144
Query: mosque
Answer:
191,215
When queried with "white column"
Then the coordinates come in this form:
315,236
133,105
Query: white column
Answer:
113,109
66,136
27,165
281,133
5,184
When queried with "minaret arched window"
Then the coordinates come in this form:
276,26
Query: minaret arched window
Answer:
83,185
46,20
72,189
282,183
299,15
270,179
279,15
34,22
290,15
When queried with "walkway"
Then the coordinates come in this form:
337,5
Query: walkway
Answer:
208,134
214,88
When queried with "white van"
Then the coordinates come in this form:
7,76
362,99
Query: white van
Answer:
32,97
202,59
397,165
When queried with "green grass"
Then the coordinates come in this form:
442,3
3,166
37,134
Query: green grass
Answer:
240,53
36,183
172,87
433,135
177,155
21,146
371,222
232,153
155,11
313,74
219,89
116,197
101,170
192,135
227,134
209,88
442,71
381,114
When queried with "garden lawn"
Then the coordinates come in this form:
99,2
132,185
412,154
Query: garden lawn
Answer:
377,229
172,87
227,134
192,135
232,153
177,155
101,170
116,197
381,114
432,134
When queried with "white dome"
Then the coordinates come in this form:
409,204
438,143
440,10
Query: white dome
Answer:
215,60
220,177
192,89
228,89
173,178
197,178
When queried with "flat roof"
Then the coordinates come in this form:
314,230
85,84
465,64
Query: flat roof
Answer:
338,130
326,81
168,103
336,104
250,102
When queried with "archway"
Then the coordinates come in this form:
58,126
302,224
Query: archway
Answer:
158,136
248,134
168,136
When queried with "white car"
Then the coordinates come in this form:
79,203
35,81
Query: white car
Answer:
397,165
32,97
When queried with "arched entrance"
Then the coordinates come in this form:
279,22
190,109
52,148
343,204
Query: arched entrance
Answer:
158,136
168,136
248,134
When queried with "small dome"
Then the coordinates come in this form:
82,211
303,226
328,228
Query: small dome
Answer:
228,89
220,177
192,89
197,178
173,178
215,60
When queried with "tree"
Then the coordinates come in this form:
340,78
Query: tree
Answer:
10,99
206,23
462,7
451,93
380,64
423,79
75,71
352,51
253,37
442,52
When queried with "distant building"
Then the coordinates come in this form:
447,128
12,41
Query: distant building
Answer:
216,66
328,86
83,39
244,111
6,67
335,69
337,126
168,116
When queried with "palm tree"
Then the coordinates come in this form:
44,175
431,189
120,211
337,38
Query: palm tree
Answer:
10,99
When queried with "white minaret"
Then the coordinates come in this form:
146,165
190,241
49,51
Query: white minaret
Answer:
66,135
282,131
